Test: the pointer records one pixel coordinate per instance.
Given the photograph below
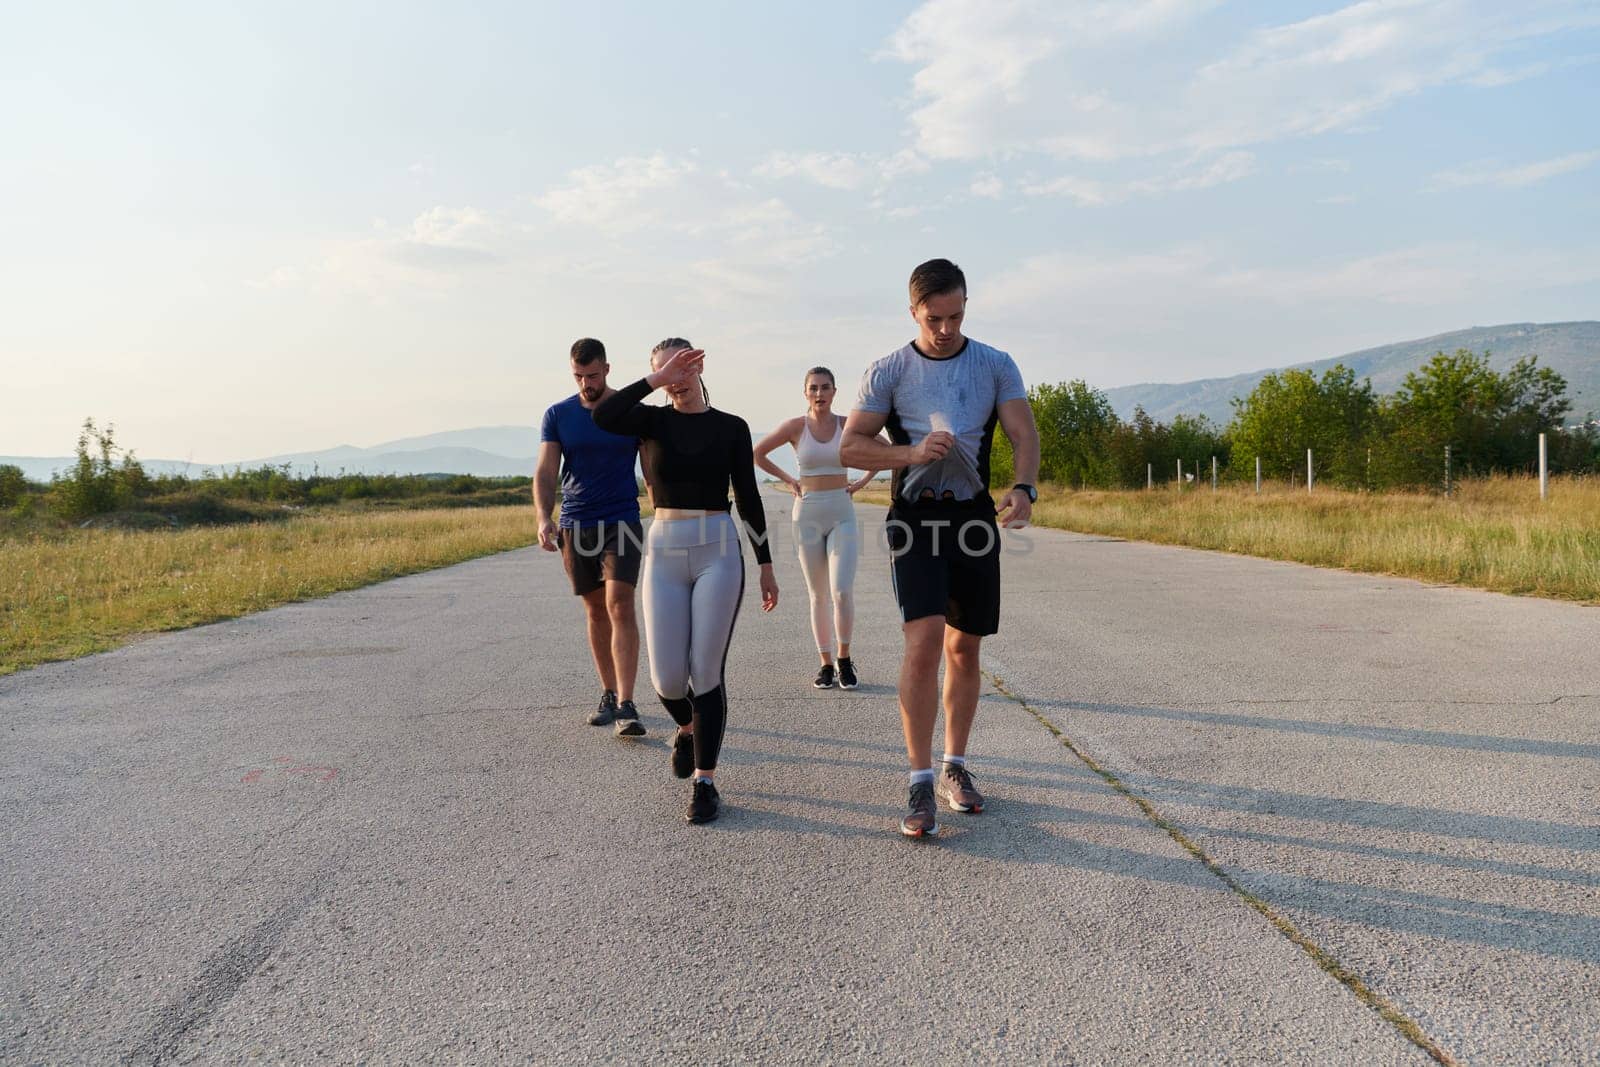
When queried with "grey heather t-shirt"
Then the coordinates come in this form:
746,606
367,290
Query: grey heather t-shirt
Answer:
959,394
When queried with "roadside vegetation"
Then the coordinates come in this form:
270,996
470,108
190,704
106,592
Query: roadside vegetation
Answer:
1491,533
105,551
1487,422
89,590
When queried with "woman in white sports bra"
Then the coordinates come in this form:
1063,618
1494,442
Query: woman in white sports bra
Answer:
824,521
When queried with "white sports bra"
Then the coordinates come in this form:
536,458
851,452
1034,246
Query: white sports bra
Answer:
819,457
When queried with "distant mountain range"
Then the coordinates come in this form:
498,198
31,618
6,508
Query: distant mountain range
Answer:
1571,348
488,451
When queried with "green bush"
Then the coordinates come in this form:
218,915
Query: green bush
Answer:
13,485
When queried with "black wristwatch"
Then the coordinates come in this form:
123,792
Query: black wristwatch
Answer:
1033,494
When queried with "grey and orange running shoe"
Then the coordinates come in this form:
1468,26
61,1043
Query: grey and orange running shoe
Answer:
923,819
955,788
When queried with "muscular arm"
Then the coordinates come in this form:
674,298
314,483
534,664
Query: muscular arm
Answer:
544,492
783,435
861,446
1016,419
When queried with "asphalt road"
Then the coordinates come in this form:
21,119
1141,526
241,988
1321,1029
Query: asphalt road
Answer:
1291,816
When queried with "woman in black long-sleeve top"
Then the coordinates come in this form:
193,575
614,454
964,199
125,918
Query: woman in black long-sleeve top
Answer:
693,566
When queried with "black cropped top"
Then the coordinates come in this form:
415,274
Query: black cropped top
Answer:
689,460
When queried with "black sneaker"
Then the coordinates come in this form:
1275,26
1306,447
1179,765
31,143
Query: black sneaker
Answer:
847,673
628,724
923,819
682,754
606,711
703,802
824,677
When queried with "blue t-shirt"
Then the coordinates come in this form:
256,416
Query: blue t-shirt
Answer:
596,466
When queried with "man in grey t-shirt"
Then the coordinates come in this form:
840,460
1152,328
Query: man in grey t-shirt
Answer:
940,398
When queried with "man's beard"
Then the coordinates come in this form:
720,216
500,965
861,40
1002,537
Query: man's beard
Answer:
591,394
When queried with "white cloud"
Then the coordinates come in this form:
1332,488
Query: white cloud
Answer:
841,170
1100,82
835,170
428,255
1205,173
619,196
988,187
1085,191
1512,177
1049,287
1175,314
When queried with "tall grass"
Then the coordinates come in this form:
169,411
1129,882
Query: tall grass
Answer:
87,590
1493,533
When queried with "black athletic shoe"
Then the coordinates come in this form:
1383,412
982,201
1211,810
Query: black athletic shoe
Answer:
703,802
606,711
847,673
682,754
824,677
628,724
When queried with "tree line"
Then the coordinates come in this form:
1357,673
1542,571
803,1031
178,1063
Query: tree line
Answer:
1490,420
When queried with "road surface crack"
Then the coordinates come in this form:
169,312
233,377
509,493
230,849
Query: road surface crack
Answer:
1390,1012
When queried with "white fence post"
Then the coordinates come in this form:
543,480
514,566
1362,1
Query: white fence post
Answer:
1180,472
1447,471
1544,469
1213,474
1149,475
1309,474
1258,474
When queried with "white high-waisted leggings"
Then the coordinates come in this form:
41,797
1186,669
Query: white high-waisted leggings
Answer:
693,581
828,543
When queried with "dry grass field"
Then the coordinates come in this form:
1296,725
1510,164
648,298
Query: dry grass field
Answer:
84,591
1492,534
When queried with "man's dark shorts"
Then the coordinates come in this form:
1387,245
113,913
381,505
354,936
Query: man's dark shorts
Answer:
604,552
945,560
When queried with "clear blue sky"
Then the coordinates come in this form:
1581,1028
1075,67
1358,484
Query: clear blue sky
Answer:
236,230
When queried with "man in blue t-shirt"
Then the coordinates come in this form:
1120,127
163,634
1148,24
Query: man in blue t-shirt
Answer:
599,536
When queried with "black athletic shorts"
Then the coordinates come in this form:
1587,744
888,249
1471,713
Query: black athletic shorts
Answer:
945,560
604,552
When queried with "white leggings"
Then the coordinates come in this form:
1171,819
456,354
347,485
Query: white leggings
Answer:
692,583
827,541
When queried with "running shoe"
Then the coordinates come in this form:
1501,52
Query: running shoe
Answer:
682,754
847,673
824,677
606,711
703,802
923,821
628,724
955,788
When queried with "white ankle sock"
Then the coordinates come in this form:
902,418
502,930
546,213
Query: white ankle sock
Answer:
921,776
959,761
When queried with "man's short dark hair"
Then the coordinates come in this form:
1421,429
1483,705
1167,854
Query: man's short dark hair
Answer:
586,350
935,278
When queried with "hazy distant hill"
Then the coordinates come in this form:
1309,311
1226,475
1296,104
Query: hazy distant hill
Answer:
1572,348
